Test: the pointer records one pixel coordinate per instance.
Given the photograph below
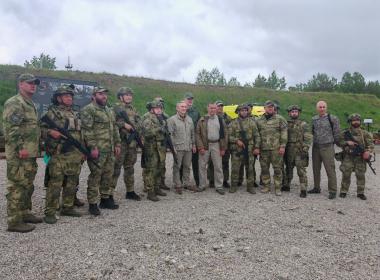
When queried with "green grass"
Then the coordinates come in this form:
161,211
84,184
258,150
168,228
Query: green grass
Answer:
340,104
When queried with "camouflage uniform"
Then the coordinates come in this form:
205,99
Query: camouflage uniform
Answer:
236,129
128,155
65,162
273,133
21,131
355,163
100,131
297,152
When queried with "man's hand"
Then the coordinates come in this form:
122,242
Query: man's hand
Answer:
366,155
202,151
117,151
222,152
128,127
194,149
240,144
256,152
95,153
23,154
55,134
281,151
351,143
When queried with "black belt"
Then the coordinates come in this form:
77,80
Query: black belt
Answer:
213,141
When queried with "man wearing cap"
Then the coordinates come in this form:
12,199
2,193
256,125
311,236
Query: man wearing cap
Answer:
226,158
22,137
297,150
64,165
357,146
181,130
101,136
194,114
154,133
244,142
274,136
211,138
128,121
326,132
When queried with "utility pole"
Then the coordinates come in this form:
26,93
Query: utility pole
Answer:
68,66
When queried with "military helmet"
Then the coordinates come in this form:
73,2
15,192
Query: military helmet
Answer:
61,90
354,116
155,104
269,103
294,107
148,105
124,90
241,107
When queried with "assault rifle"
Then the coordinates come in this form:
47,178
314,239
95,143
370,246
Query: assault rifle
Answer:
134,133
168,140
358,150
243,136
69,139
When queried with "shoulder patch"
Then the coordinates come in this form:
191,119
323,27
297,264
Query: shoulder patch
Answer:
16,118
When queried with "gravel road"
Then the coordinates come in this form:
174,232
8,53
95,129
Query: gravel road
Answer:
202,236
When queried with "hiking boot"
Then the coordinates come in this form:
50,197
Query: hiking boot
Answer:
285,189
94,209
233,189
226,185
178,190
251,190
50,219
193,188
70,212
152,196
303,194
78,202
30,218
362,196
159,192
132,195
315,190
220,191
342,195
108,203
278,192
164,187
265,190
21,227
332,195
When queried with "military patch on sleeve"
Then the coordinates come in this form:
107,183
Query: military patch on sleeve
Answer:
16,118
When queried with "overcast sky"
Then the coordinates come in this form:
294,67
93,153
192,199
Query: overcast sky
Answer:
173,40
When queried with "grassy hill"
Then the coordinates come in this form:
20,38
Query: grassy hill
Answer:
340,104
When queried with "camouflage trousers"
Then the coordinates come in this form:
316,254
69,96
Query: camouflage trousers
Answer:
63,174
20,175
241,171
155,156
324,154
99,180
127,160
268,157
292,159
353,164
225,166
238,160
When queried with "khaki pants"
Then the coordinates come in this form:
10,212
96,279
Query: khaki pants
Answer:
213,152
324,154
184,163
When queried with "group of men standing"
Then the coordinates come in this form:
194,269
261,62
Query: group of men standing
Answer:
108,139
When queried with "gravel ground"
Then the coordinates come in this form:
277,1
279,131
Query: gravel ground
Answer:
202,236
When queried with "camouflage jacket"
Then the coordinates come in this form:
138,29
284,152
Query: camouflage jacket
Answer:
361,136
153,130
133,117
99,128
193,113
325,132
227,119
64,117
182,132
273,132
299,134
201,134
21,129
238,128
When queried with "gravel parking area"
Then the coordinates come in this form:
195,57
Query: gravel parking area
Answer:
202,236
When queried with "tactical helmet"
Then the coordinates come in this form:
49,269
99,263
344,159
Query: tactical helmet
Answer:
240,107
148,105
124,90
354,116
63,89
269,103
294,107
155,104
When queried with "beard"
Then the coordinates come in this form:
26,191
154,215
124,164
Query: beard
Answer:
355,125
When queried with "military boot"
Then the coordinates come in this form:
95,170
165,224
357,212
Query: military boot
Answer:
265,189
70,212
332,195
159,192
30,218
251,190
303,194
94,209
132,195
108,203
278,192
21,227
50,219
315,190
226,185
78,202
152,196
362,196
233,189
285,188
342,195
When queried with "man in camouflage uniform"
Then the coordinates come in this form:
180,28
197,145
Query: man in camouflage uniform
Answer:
244,142
101,136
22,137
154,133
297,150
227,155
326,132
127,129
274,136
64,165
354,160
